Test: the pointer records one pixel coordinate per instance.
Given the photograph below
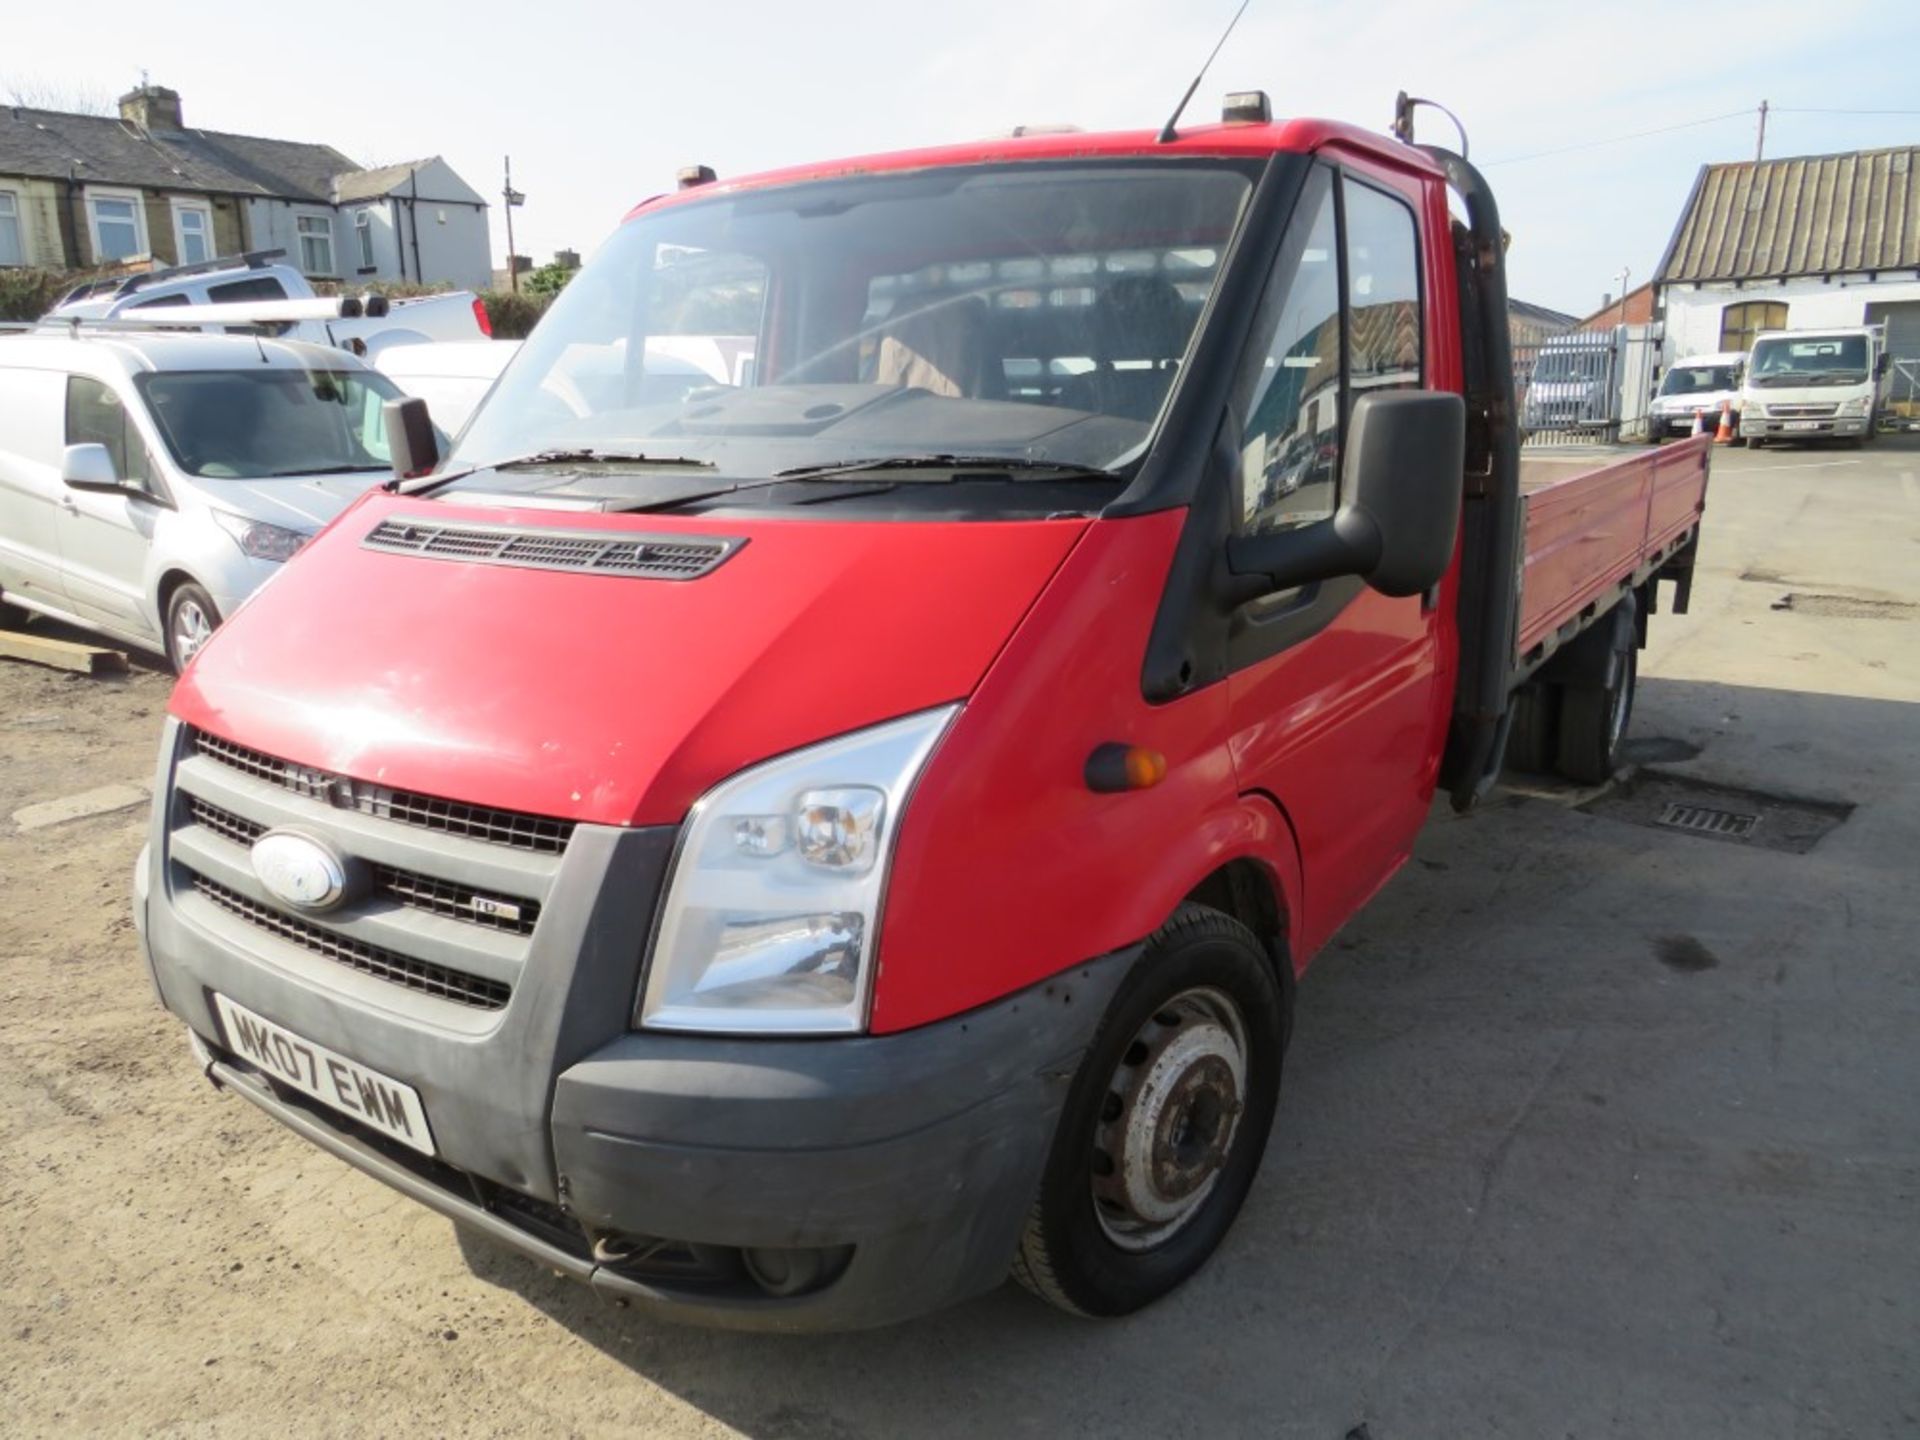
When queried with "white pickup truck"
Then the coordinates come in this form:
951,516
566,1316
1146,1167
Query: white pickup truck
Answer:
256,277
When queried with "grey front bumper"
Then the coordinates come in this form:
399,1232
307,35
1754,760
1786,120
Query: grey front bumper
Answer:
653,1166
915,1156
1805,429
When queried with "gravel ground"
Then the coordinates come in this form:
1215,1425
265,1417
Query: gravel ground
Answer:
1590,1129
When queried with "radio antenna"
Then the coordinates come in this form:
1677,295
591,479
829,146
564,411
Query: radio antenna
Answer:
1167,133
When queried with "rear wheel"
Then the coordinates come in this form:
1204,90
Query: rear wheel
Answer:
1593,722
1164,1126
192,618
1531,732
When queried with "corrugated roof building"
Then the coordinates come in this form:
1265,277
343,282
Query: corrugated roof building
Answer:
1802,242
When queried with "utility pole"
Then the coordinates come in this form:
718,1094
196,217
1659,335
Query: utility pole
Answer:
513,197
1760,147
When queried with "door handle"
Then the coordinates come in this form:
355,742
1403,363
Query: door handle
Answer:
69,504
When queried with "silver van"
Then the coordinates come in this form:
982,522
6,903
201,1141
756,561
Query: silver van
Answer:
149,482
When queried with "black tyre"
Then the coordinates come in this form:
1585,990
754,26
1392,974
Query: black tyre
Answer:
1165,1123
1593,722
192,618
1533,731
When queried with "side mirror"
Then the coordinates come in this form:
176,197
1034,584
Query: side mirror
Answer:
89,467
412,445
1402,478
1880,365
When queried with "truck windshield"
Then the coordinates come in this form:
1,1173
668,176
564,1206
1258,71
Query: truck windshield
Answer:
1699,379
257,424
1810,360
1037,312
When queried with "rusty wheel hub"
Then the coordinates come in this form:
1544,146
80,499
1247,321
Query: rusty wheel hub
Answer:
1171,1112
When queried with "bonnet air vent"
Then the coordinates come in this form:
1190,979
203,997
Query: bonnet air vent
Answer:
592,552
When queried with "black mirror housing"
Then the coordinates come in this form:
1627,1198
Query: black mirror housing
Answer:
412,444
1402,476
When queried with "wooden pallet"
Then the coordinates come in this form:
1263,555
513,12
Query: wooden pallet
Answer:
62,654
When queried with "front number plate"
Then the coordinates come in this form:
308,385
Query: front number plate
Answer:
1803,425
328,1076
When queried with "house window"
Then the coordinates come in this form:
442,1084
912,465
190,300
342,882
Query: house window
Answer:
192,232
316,244
119,224
12,250
1740,323
363,233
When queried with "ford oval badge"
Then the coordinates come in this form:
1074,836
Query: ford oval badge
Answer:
299,871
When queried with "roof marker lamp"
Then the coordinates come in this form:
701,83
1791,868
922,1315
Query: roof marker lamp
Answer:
773,909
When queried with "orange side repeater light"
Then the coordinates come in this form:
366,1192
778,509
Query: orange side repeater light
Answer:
1113,767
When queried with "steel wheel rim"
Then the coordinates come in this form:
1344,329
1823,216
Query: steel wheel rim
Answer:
1169,1119
191,629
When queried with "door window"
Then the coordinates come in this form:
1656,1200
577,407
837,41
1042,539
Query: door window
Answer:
264,287
95,416
1314,354
1290,441
1383,288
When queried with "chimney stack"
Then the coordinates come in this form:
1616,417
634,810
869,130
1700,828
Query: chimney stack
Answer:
152,107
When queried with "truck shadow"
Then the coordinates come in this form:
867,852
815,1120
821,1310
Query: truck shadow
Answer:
1537,1160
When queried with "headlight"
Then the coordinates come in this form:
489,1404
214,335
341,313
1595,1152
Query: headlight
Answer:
772,913
257,539
1854,407
1754,407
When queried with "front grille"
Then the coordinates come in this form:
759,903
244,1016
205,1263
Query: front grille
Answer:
407,807
586,551
375,960
1802,412
507,913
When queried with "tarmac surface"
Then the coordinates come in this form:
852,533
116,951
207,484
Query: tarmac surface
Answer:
1592,1127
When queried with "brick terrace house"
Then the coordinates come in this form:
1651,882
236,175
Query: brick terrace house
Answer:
78,191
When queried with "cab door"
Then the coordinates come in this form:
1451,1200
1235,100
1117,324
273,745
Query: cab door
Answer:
105,537
1335,700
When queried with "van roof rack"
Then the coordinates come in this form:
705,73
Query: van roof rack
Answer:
247,260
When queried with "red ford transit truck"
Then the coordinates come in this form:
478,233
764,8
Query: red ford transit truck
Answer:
794,852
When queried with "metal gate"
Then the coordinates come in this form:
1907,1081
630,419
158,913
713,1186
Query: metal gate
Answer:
1901,397
1587,385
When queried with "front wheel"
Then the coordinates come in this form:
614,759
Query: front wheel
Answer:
1164,1126
192,618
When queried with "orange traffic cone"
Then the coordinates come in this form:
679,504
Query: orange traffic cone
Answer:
1724,435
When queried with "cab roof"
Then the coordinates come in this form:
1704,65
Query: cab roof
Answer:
57,346
1238,139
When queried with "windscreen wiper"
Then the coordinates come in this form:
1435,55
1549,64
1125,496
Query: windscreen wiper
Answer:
602,457
995,464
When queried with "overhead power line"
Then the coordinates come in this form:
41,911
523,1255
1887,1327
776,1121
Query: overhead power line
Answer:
1826,110
1687,125
1619,139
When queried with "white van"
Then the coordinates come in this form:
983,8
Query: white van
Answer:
1693,391
452,378
1812,385
149,482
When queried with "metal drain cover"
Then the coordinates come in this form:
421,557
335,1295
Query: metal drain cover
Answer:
1665,801
1704,820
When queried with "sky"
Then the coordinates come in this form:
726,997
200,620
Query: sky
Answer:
600,103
